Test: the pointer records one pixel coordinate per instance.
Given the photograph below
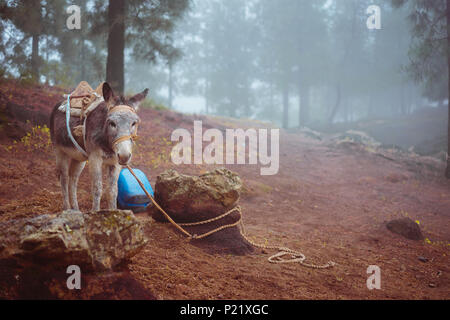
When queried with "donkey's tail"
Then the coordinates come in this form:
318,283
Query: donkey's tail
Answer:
52,118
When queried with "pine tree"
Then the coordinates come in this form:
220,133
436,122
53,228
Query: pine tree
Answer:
430,50
27,17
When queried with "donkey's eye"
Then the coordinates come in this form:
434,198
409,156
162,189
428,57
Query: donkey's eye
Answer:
112,124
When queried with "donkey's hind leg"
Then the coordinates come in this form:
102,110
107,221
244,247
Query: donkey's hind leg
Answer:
76,167
62,171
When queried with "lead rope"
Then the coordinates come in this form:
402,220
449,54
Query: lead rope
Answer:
296,256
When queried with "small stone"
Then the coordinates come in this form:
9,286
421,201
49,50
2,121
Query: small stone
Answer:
396,177
423,259
432,285
405,227
311,133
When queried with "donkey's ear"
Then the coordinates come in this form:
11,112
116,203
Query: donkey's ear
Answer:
108,93
136,100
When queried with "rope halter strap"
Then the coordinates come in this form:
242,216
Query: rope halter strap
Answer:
133,136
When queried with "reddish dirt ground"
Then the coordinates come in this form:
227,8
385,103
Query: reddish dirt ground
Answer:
329,202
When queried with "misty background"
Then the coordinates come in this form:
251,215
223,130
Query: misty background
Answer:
295,63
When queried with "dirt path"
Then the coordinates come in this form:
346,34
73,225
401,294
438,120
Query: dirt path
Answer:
326,201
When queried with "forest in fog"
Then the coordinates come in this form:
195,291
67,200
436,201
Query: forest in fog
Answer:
292,62
224,150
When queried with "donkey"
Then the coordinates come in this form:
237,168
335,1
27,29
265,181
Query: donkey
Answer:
109,132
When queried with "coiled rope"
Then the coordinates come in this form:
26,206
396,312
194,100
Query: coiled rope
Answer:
295,256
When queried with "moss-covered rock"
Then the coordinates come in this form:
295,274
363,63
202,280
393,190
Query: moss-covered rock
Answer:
96,241
190,198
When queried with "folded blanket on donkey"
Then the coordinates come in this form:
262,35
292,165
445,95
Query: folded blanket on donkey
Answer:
83,101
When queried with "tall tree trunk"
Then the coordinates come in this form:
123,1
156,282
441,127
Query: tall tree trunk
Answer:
83,48
247,104
271,93
447,172
272,100
34,16
402,99
303,112
35,56
115,64
285,106
337,104
207,96
371,111
346,56
345,110
83,59
170,84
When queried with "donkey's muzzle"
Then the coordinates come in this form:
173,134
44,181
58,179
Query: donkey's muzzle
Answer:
124,158
123,148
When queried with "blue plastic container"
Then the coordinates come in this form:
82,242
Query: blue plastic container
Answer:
130,194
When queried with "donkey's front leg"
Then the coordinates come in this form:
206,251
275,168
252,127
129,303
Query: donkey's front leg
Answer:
95,170
111,195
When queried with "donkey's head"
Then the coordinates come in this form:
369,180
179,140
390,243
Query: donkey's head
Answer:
120,127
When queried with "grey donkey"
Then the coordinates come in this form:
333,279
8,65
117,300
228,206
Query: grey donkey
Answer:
109,131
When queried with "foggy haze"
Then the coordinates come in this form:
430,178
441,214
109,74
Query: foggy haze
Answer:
256,59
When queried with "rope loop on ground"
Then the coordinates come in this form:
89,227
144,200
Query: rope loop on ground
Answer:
295,256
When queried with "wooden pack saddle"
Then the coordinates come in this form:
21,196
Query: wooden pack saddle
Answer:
83,100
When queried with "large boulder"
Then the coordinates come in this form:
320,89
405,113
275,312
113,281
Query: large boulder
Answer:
190,199
97,241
